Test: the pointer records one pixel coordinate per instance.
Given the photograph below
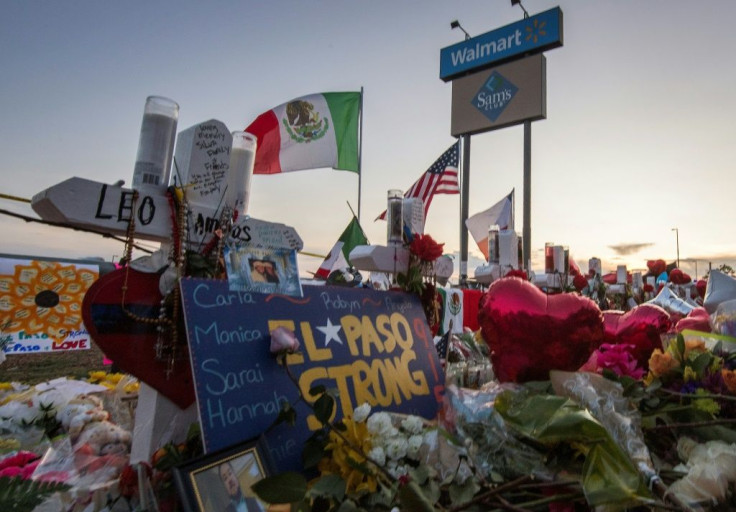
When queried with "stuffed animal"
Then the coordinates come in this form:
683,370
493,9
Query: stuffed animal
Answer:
79,412
104,438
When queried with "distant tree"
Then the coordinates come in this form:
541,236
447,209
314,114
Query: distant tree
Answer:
726,269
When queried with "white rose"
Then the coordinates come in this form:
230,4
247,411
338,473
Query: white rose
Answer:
379,424
414,444
702,483
361,413
396,448
377,455
412,424
397,471
717,453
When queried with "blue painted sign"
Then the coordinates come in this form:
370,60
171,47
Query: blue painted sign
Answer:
371,346
535,34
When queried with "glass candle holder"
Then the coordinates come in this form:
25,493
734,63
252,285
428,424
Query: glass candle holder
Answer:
156,143
494,250
242,158
520,249
549,258
395,218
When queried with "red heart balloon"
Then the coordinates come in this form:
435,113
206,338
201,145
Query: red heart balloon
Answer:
131,343
697,320
656,267
531,333
701,286
641,327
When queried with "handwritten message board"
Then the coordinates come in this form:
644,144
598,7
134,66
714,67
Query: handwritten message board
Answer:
203,160
371,346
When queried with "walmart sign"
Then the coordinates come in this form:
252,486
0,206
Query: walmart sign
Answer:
531,35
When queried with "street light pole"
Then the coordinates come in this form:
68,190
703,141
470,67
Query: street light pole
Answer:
677,240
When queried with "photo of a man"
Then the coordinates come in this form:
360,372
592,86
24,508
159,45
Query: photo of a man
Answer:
239,502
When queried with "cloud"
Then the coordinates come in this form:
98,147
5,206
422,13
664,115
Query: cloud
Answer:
629,249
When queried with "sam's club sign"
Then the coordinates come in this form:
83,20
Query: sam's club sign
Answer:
531,35
493,97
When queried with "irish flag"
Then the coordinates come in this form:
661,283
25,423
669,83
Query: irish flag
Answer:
319,130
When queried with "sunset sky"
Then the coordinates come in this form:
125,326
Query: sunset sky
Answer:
639,136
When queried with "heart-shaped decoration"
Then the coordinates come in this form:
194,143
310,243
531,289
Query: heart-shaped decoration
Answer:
697,320
641,327
130,343
530,333
656,267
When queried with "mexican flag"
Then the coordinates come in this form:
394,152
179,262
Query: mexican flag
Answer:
319,130
338,257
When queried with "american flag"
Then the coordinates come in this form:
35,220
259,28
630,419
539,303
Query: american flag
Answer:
440,178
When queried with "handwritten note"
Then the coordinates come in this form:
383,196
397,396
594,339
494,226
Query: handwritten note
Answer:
203,160
371,346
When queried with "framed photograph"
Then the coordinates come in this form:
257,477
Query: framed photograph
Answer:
255,269
221,481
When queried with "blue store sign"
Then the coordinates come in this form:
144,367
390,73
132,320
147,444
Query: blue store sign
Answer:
531,35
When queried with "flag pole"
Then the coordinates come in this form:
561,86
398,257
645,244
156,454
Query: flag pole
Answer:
360,151
465,184
353,212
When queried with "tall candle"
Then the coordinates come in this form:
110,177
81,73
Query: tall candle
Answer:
156,143
242,158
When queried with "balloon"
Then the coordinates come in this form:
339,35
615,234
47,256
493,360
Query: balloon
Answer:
677,276
530,333
670,302
640,327
656,267
662,278
697,320
721,287
700,286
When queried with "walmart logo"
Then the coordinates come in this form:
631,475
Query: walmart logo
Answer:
495,95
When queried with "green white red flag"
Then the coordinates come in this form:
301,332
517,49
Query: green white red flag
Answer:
339,255
310,132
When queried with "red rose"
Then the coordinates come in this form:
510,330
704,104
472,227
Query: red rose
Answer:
580,282
425,248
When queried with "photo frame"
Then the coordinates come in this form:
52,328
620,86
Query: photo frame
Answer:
263,270
221,480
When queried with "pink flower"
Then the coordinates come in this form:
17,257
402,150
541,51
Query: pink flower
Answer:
283,340
616,358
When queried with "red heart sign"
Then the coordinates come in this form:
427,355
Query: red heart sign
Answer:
640,327
531,333
130,343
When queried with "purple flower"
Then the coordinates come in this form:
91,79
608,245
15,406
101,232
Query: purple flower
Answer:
283,340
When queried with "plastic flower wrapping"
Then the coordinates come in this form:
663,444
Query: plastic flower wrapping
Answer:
69,440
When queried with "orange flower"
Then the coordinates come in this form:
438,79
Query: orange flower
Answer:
661,362
694,346
729,378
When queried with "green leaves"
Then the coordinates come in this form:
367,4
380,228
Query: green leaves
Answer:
329,486
288,487
19,495
323,408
